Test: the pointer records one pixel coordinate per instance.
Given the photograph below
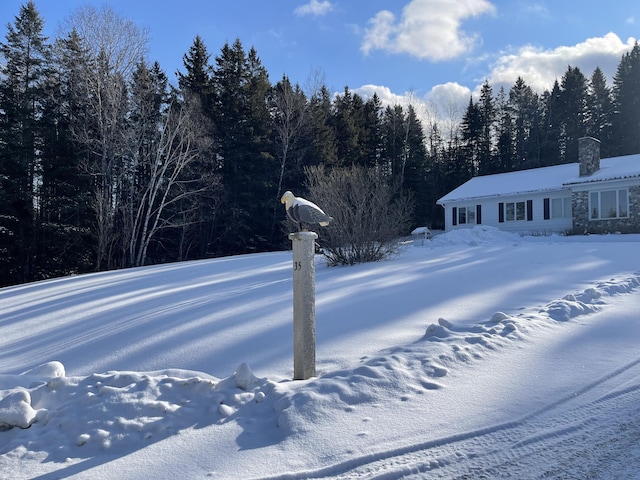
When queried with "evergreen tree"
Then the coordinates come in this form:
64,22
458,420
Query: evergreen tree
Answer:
200,232
434,178
22,79
321,136
626,99
393,134
505,151
371,134
471,130
348,127
65,242
487,109
404,156
244,146
600,111
573,101
198,79
552,122
415,169
524,110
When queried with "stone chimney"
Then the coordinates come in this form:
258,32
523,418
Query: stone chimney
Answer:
588,155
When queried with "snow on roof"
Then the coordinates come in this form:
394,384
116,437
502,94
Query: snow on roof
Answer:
543,179
511,183
611,169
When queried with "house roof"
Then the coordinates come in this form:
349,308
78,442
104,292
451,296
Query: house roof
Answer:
615,168
543,179
512,183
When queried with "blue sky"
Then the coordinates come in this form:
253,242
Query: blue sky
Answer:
434,51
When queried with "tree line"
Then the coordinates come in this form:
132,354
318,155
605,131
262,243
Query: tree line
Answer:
105,164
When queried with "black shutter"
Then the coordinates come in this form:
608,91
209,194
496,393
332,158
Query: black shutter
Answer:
478,214
501,212
529,210
547,210
454,219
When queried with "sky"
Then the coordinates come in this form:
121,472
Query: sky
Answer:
431,52
480,354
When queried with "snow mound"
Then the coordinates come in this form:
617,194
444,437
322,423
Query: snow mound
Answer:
15,401
423,366
16,411
478,235
85,415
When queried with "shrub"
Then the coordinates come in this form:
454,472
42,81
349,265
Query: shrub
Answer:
369,213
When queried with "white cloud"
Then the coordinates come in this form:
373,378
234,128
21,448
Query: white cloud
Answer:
314,7
449,97
536,9
444,104
540,68
386,96
428,29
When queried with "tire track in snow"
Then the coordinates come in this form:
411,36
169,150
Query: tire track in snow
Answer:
524,447
583,423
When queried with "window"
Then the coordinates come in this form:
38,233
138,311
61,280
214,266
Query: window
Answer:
557,208
515,211
609,204
466,215
510,209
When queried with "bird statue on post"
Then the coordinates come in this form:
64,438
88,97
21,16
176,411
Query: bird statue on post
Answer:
304,212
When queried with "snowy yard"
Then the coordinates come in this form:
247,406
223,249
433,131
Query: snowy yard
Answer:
479,355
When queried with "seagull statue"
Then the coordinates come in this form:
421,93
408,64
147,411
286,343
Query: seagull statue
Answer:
304,212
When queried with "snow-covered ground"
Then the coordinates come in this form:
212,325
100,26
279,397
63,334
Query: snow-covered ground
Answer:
480,355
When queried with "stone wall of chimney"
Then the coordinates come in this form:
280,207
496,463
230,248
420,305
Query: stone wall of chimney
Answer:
588,155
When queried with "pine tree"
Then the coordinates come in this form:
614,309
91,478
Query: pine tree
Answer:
471,129
22,76
488,120
434,177
65,243
552,124
196,86
243,139
371,132
626,99
393,134
524,110
198,79
573,101
600,111
505,151
415,167
321,136
348,127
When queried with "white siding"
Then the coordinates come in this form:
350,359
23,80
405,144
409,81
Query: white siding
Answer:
490,213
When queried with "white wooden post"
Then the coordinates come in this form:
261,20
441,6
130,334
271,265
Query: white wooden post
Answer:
304,305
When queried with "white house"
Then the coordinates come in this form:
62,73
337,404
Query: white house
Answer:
592,196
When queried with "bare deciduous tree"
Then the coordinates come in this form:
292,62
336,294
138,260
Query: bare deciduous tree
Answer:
288,108
104,32
181,142
114,45
369,214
